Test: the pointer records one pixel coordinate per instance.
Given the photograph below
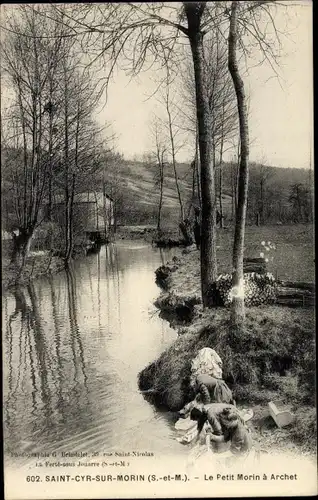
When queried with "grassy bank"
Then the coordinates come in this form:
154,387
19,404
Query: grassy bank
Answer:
273,360
293,258
169,237
42,262
38,264
45,255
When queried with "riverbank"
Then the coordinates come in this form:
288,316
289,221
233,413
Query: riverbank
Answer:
273,361
37,264
169,237
43,263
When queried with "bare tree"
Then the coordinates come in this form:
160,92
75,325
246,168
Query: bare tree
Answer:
238,249
260,180
196,189
52,132
173,131
27,67
173,154
160,152
195,14
300,201
130,32
244,19
221,96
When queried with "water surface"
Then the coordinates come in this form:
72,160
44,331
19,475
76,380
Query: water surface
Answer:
73,345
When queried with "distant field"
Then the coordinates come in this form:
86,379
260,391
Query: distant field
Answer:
293,258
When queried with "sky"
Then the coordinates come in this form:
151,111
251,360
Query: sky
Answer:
280,117
280,107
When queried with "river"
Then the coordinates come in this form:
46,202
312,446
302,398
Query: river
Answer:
73,345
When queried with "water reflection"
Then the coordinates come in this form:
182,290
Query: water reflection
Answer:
73,346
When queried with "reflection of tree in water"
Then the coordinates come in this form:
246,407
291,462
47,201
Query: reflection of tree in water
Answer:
117,272
119,259
91,272
113,271
88,266
68,391
30,342
20,310
76,341
77,402
162,257
60,382
98,293
40,349
39,386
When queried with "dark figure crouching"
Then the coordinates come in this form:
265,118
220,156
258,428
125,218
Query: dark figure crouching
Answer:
228,430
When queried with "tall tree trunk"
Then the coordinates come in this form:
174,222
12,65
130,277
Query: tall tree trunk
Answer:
25,160
237,170
238,308
208,212
67,254
262,202
221,183
21,246
50,187
50,200
197,168
221,167
160,161
97,212
193,197
220,197
115,216
232,191
105,215
68,229
70,245
173,153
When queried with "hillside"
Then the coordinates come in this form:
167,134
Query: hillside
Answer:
137,183
134,187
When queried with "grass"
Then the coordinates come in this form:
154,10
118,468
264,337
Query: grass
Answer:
292,260
273,359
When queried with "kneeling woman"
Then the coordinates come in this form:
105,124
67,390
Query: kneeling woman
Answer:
213,390
228,430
